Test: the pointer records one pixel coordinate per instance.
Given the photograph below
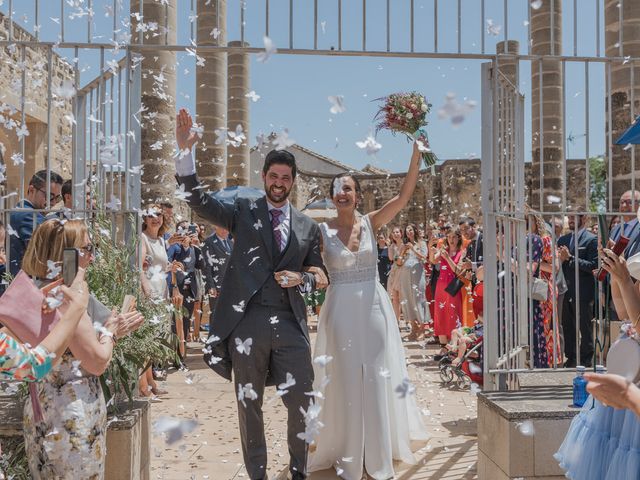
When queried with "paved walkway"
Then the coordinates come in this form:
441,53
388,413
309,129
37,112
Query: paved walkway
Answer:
212,451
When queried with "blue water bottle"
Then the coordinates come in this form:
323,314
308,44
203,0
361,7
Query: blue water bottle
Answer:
579,387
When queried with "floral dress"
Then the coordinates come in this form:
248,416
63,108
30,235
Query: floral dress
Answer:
18,362
70,442
534,254
547,307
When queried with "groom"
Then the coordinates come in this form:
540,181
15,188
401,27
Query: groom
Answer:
259,330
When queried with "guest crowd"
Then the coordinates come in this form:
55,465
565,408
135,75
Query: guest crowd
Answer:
434,275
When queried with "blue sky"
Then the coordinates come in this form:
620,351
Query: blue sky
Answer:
294,88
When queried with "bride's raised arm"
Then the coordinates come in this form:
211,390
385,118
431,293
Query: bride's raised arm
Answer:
389,210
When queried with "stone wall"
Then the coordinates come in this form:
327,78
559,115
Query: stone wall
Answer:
454,190
36,70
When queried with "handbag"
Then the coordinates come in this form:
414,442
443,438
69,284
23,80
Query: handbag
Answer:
539,290
454,287
624,356
21,311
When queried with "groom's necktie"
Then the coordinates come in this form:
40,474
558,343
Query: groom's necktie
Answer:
275,224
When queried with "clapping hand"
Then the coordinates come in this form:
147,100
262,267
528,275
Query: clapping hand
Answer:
563,253
123,324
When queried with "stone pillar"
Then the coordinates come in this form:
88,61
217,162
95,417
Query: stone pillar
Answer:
508,66
621,110
211,93
238,161
158,97
551,97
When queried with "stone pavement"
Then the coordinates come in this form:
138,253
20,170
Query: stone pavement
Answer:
212,450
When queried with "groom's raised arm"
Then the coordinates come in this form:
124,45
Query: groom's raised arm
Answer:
201,202
204,204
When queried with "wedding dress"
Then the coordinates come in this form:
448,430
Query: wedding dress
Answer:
368,411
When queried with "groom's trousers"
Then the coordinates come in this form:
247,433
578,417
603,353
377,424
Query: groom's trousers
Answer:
279,347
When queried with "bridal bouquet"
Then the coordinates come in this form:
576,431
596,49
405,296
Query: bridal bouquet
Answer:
406,113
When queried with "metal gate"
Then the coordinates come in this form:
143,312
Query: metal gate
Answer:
505,295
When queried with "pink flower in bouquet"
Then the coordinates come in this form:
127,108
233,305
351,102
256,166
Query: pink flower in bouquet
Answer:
406,113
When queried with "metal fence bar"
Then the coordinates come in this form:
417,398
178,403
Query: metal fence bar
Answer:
242,8
412,26
89,30
62,21
553,27
609,134
459,10
620,27
49,102
36,21
564,116
586,136
632,83
597,29
482,20
505,13
541,132
435,26
315,24
10,28
575,28
23,120
290,23
388,17
339,24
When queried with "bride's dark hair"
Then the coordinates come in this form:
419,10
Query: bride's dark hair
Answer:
345,175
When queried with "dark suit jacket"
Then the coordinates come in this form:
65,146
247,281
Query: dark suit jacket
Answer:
252,261
587,262
191,258
633,235
23,224
474,249
216,259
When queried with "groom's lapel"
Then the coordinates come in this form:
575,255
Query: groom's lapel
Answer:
293,245
261,214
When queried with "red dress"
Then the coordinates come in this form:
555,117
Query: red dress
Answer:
448,309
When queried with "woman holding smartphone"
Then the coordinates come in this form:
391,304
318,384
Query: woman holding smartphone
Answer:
71,398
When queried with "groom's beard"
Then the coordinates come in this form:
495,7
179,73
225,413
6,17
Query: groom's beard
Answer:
274,197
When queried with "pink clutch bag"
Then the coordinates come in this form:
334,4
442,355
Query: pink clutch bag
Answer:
21,311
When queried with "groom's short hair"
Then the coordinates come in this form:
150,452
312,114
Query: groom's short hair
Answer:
281,157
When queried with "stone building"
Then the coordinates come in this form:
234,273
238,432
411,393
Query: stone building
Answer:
453,190
36,74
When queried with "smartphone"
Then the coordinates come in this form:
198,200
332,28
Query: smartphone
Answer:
192,230
618,249
69,265
128,304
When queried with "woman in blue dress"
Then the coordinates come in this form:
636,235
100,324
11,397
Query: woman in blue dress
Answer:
603,442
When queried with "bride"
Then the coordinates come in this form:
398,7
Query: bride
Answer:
367,405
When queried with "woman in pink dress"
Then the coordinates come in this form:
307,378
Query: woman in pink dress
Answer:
448,309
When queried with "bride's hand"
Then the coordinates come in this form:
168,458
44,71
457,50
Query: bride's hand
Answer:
320,277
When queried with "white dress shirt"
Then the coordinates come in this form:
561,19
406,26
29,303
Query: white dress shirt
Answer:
285,222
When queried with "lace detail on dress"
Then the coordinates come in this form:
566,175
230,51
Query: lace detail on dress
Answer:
366,274
345,266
